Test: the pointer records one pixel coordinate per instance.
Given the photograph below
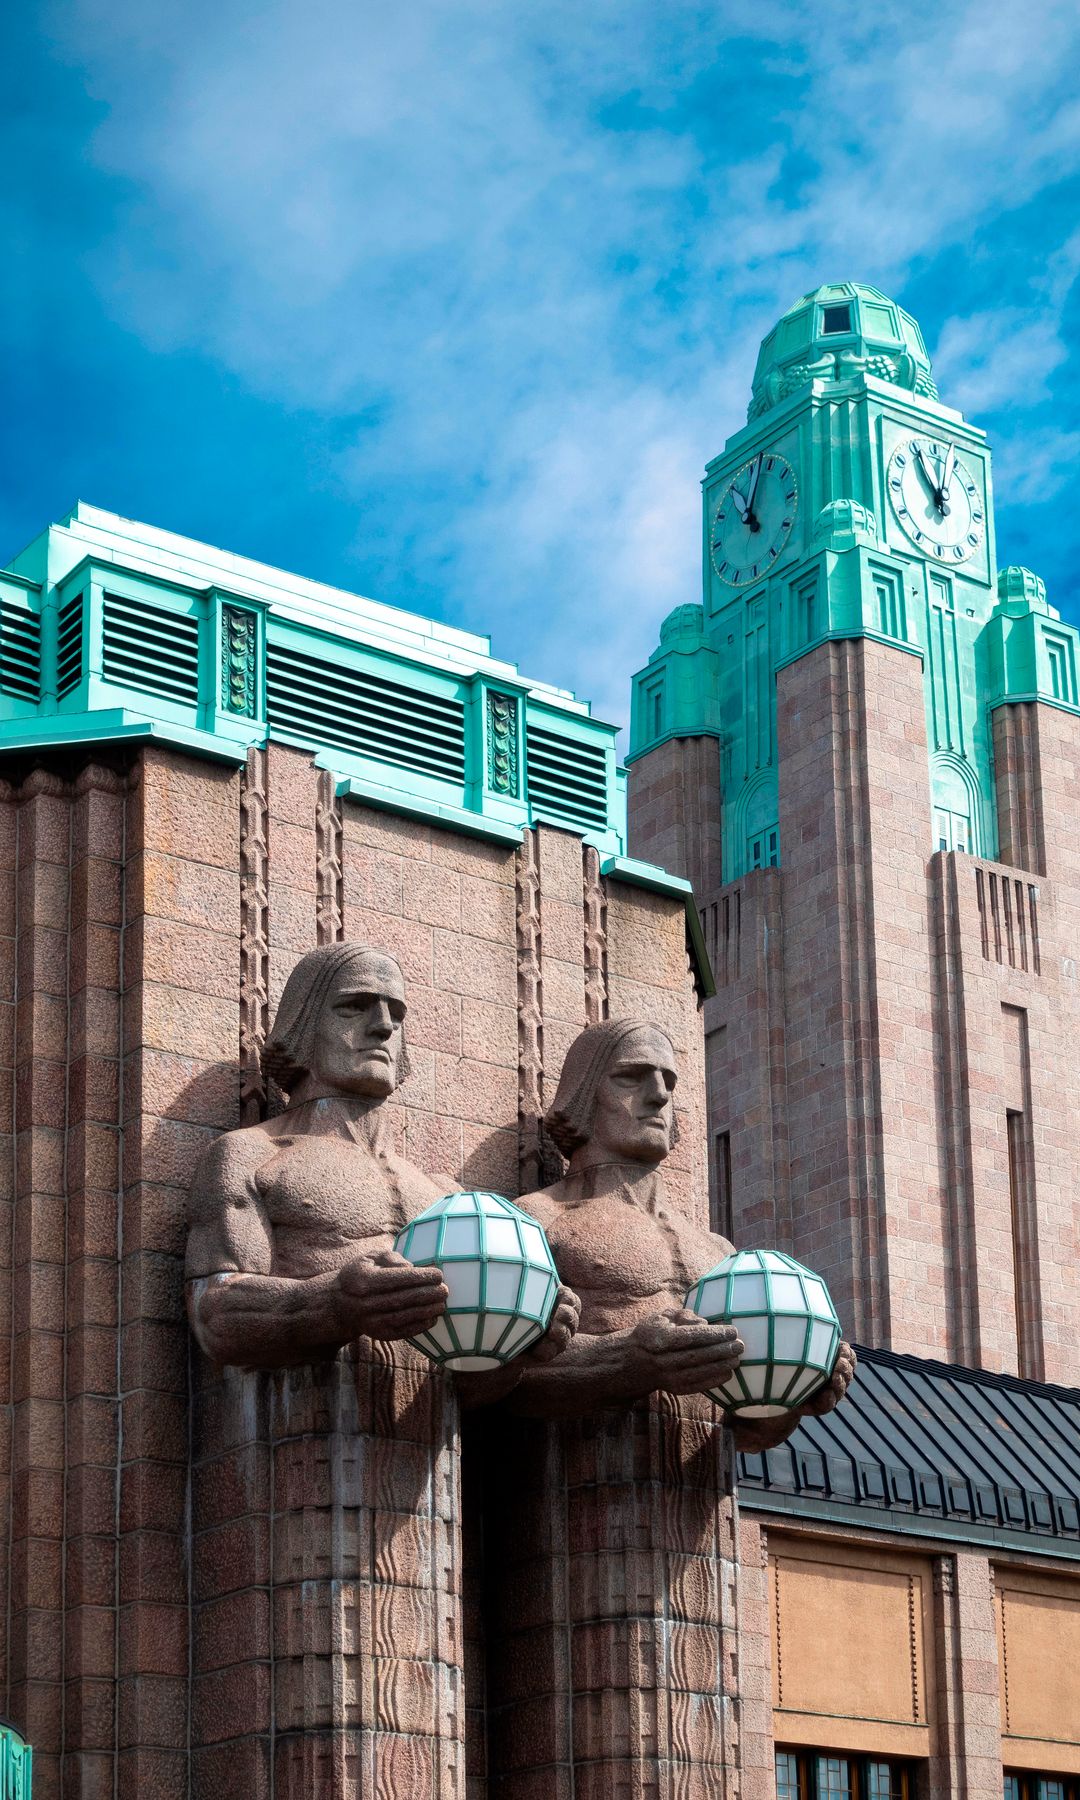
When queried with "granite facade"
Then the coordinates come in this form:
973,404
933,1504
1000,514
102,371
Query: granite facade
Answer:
892,1051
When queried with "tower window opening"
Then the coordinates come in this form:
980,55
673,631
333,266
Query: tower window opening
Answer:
764,849
657,700
835,319
722,1207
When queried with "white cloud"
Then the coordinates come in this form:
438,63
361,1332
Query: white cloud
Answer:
535,248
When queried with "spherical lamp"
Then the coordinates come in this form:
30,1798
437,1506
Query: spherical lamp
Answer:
498,1266
787,1322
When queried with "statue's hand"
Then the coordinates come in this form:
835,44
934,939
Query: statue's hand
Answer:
837,1385
565,1320
679,1352
753,1436
384,1296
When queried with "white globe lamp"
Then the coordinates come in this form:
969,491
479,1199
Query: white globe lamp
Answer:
787,1322
498,1266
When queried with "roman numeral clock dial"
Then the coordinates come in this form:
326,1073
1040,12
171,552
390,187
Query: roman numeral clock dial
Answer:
753,519
936,499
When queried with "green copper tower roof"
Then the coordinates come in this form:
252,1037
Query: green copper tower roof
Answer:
854,503
836,331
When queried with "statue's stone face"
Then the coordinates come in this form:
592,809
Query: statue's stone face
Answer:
358,1040
635,1114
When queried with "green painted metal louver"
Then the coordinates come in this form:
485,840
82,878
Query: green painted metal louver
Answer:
69,647
20,653
16,1765
566,777
146,647
325,703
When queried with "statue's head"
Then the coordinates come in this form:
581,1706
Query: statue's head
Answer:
615,1099
340,1025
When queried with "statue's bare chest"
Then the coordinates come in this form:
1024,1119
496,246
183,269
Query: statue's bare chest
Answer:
323,1193
606,1248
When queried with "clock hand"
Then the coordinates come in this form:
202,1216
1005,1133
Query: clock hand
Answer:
946,478
753,484
743,505
929,472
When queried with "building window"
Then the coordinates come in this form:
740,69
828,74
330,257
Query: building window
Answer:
829,1775
722,1208
787,1776
1025,1784
952,830
834,1778
835,319
656,702
763,849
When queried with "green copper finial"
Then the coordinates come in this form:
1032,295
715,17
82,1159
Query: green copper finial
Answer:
1023,589
839,330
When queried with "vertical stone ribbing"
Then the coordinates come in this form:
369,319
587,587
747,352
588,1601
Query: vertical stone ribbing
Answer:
595,905
1021,836
254,935
530,1015
329,899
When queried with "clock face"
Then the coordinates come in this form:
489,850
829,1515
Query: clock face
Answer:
753,519
936,499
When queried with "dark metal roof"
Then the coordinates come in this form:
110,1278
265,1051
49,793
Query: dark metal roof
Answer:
934,1450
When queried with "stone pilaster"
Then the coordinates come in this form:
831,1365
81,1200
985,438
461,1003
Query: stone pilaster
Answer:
866,1188
966,1759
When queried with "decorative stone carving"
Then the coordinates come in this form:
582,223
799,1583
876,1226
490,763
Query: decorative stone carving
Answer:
238,661
329,881
254,934
626,1250
502,744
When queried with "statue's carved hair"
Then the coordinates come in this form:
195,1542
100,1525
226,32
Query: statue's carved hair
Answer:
569,1120
289,1050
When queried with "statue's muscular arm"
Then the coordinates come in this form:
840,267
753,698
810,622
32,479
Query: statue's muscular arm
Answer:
242,1313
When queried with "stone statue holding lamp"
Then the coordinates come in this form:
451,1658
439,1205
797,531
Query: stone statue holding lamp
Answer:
292,1221
632,1257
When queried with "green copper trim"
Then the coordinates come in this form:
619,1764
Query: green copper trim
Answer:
451,818
675,887
115,727
239,674
845,636
111,630
502,744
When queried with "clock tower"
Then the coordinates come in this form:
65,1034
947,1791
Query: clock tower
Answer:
862,749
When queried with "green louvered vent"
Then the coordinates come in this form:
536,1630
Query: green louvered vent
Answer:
328,704
20,653
146,647
567,777
69,643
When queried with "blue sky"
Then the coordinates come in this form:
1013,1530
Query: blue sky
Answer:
450,305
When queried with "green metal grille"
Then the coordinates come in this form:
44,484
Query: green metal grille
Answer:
566,777
16,1765
149,648
69,643
366,714
20,653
